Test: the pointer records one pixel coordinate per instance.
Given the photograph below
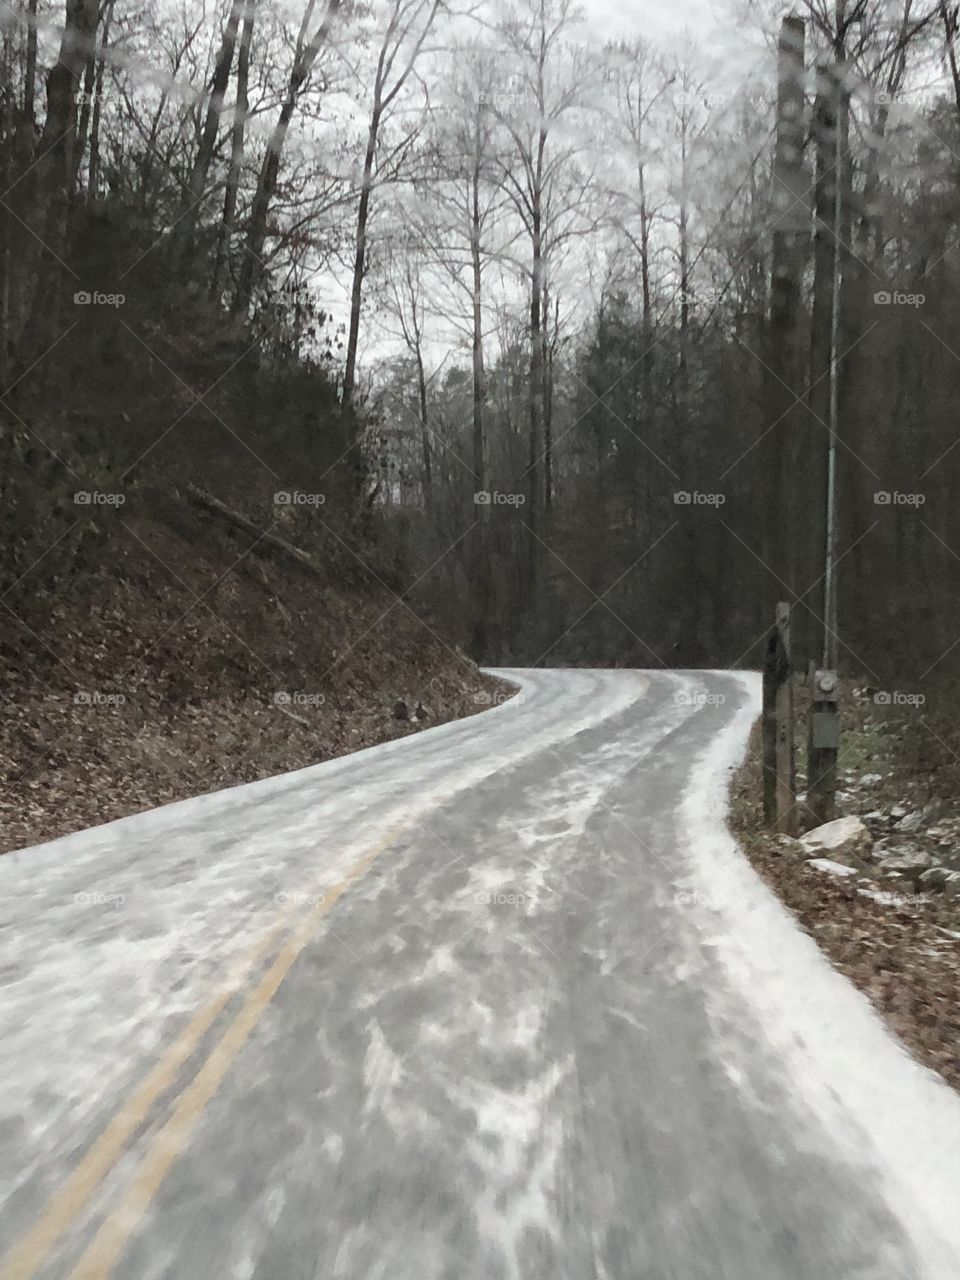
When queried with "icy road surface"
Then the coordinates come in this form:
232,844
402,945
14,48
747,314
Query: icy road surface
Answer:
499,1001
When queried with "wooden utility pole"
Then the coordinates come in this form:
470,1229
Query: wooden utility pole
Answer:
779,774
791,201
786,346
833,103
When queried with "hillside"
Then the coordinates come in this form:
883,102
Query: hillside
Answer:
193,655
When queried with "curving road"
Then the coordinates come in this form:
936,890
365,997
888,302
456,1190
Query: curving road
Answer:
500,1000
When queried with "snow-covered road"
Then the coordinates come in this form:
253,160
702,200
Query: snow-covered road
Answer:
498,1000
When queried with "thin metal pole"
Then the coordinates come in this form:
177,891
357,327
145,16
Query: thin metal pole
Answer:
830,575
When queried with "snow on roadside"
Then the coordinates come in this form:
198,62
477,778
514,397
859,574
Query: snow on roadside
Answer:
860,1083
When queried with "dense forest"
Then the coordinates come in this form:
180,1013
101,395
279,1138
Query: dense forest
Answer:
487,311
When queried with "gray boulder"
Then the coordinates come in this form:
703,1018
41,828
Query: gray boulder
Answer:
901,858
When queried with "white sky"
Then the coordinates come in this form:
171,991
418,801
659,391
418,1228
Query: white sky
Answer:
730,51
654,18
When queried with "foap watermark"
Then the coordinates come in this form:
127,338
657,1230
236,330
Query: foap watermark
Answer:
84,99
889,898
686,498
691,98
85,298
486,498
298,899
897,698
918,98
513,94
294,498
96,698
94,498
486,698
99,899
688,698
706,298
693,898
895,298
886,498
504,898
298,698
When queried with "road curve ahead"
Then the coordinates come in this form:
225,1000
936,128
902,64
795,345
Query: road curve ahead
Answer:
499,1001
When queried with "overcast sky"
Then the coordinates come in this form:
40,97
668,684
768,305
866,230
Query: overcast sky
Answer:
731,49
654,18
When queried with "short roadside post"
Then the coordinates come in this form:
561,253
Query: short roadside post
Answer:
823,744
779,773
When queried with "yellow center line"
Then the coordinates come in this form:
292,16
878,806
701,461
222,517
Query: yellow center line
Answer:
33,1249
169,1142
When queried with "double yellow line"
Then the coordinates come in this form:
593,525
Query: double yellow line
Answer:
35,1247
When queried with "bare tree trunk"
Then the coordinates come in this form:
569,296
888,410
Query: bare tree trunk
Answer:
360,257
647,356
549,346
424,416
382,98
194,190
252,265
477,335
684,264
83,120
13,221
951,22
483,606
93,182
237,141
28,113
56,169
535,489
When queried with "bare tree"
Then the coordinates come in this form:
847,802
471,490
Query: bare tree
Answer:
195,186
407,27
304,59
547,88
237,141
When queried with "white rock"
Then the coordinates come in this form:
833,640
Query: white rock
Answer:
870,779
844,836
832,868
886,898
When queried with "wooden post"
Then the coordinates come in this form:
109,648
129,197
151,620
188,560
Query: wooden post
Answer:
779,774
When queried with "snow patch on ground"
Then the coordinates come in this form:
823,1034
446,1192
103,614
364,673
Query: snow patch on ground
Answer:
830,867
382,1072
517,1145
